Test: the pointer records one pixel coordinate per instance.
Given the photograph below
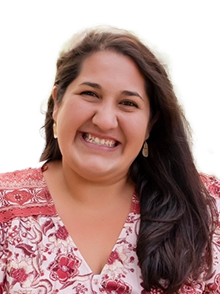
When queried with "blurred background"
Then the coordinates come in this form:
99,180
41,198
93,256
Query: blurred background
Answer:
183,34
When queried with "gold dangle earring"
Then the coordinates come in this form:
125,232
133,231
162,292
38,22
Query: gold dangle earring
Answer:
55,130
145,149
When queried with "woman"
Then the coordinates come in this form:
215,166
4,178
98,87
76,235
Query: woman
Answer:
104,214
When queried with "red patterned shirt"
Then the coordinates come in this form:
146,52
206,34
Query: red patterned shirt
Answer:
37,255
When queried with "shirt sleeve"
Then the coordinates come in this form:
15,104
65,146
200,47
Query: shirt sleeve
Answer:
213,284
3,256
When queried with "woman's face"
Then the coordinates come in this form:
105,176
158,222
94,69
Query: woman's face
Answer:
103,119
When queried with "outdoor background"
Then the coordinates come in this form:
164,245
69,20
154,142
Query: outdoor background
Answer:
184,34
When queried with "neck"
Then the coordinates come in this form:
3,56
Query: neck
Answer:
83,191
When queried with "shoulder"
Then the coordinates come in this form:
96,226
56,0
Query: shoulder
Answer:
212,184
23,193
21,178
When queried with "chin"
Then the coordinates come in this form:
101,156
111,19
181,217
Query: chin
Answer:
96,173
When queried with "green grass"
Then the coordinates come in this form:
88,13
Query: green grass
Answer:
28,55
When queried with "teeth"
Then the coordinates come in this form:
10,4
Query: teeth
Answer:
96,140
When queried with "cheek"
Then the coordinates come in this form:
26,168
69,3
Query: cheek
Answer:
77,109
67,118
71,121
138,128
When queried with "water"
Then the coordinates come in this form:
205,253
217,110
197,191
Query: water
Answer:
20,121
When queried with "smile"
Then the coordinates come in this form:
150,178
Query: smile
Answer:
99,141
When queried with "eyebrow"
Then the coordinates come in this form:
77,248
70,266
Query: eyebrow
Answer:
131,93
125,92
94,85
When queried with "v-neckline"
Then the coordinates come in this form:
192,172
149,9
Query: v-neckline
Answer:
134,208
78,252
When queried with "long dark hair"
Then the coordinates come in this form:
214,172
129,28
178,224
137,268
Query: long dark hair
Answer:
174,242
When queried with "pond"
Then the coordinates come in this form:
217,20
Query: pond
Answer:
21,119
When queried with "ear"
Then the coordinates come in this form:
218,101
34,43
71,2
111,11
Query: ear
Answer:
55,108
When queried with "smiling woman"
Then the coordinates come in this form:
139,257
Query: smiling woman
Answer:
105,134
118,205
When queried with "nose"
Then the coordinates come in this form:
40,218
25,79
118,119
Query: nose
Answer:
105,117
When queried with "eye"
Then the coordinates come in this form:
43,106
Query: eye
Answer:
89,93
129,103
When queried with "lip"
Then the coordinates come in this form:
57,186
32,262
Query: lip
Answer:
97,146
100,136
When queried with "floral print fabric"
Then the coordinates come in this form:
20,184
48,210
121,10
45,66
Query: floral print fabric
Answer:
37,255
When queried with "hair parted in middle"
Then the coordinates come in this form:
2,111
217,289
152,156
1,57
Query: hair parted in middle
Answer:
175,227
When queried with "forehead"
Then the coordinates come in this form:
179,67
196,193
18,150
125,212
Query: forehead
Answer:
111,56
114,65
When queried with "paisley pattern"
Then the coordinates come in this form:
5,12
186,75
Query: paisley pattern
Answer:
37,255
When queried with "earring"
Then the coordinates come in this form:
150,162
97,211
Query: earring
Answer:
145,149
55,130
